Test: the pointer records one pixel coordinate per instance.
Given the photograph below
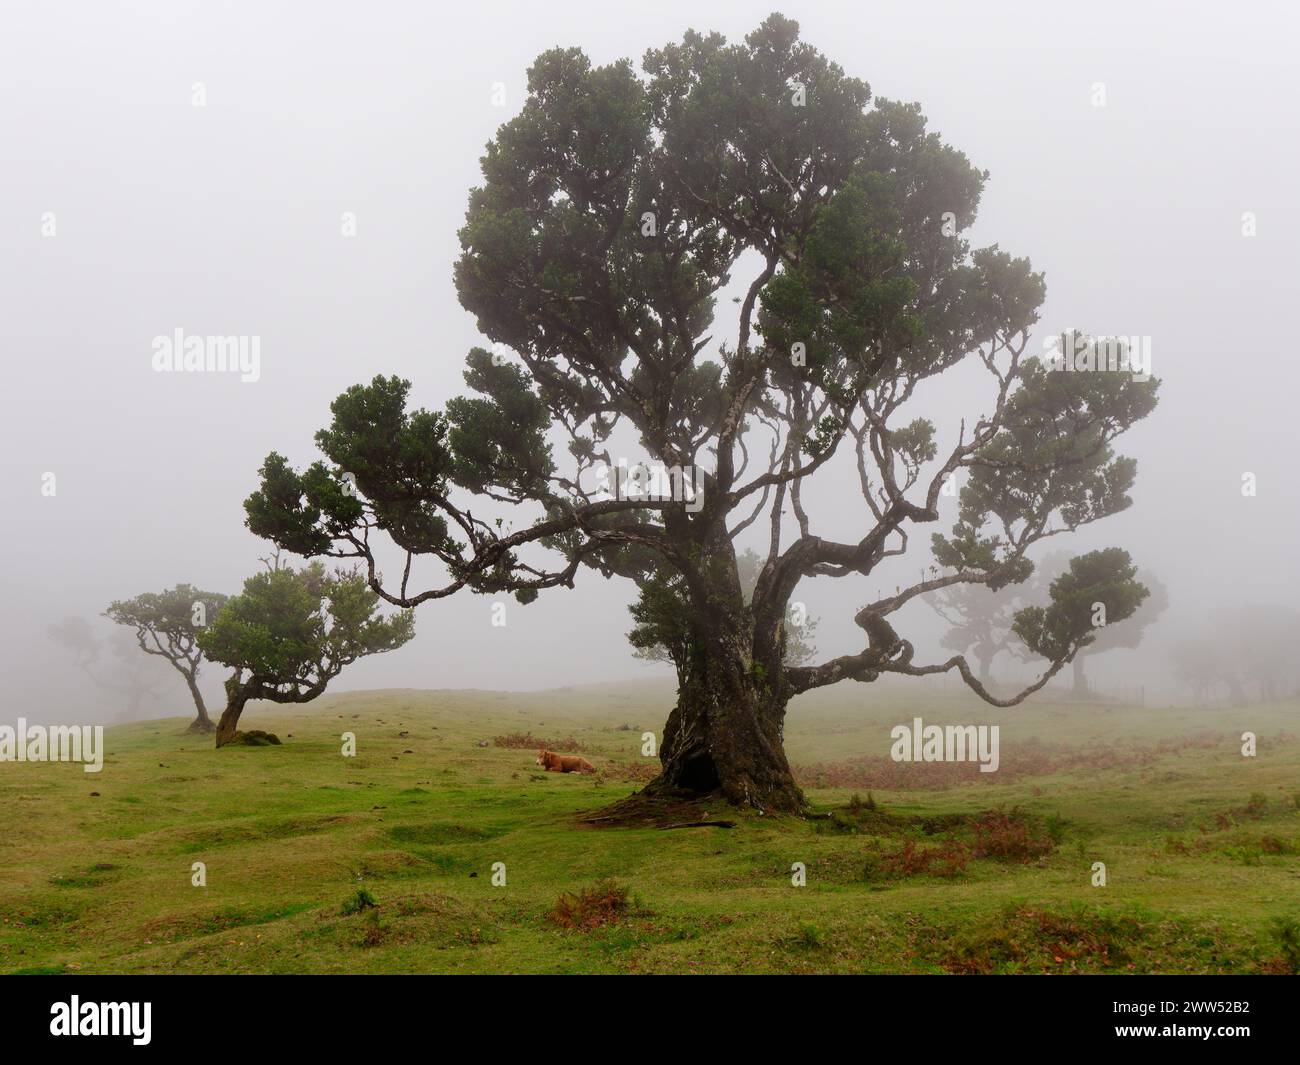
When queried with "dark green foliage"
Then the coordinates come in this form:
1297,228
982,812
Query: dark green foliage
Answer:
298,628
1100,577
165,622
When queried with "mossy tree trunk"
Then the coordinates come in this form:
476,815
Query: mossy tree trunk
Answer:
228,725
726,733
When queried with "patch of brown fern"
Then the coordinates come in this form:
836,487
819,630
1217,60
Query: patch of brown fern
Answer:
1018,761
527,741
602,904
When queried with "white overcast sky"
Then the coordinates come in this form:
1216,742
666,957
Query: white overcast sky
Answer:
225,219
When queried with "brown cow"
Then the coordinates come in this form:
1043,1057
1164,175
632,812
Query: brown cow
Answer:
563,763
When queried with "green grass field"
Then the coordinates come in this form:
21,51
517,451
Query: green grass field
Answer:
940,871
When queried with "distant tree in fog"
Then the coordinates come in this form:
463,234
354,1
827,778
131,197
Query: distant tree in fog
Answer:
112,664
1262,640
980,623
1242,651
1198,664
77,637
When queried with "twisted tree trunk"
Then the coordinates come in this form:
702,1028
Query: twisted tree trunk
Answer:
228,726
202,722
726,735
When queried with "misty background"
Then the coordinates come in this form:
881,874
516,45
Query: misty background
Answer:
226,219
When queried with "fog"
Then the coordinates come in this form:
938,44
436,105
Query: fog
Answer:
128,212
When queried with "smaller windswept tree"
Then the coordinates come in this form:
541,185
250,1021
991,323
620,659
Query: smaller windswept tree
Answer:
290,632
167,624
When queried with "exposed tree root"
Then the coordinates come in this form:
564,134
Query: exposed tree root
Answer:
658,809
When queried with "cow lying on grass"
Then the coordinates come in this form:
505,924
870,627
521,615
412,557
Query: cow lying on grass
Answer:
563,763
